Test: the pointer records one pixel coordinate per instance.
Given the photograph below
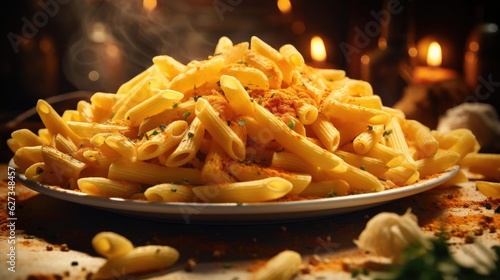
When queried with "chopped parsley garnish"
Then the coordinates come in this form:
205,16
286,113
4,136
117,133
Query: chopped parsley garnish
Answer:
190,134
241,122
291,124
186,115
370,127
173,190
162,127
387,133
175,105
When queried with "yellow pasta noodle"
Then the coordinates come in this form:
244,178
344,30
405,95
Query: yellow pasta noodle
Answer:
283,265
98,186
169,193
250,191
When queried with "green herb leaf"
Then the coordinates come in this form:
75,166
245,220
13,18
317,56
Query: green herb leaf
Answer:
186,115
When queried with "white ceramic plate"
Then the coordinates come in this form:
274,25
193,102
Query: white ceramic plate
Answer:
241,213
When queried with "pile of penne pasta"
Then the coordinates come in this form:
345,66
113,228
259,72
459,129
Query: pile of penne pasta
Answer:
249,124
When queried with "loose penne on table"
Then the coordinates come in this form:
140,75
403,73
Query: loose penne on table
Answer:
251,123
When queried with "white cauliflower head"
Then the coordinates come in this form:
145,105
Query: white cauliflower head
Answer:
387,234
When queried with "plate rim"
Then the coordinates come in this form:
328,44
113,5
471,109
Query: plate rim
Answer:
231,209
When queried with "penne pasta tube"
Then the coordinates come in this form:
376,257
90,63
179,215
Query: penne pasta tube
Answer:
140,92
161,140
24,157
13,145
437,163
85,112
489,189
266,66
300,145
64,145
126,87
236,95
153,105
256,131
251,78
235,54
261,47
196,77
98,186
307,113
291,162
221,133
122,145
251,191
334,108
485,164
215,170
245,172
25,138
168,65
40,172
152,174
326,132
374,166
169,193
395,139
369,101
390,156
424,141
332,74
466,142
189,145
111,245
401,175
281,266
290,53
223,45
54,123
359,180
178,111
86,130
141,259
367,139
71,115
329,188
63,165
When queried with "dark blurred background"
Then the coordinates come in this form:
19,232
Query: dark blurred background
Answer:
52,47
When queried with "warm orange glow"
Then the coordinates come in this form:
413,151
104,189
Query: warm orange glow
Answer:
412,52
434,55
149,5
474,46
318,50
382,44
365,59
285,6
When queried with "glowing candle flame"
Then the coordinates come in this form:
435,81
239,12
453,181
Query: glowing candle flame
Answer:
149,5
284,6
434,56
318,50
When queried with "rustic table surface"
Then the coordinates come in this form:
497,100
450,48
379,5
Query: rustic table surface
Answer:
53,236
